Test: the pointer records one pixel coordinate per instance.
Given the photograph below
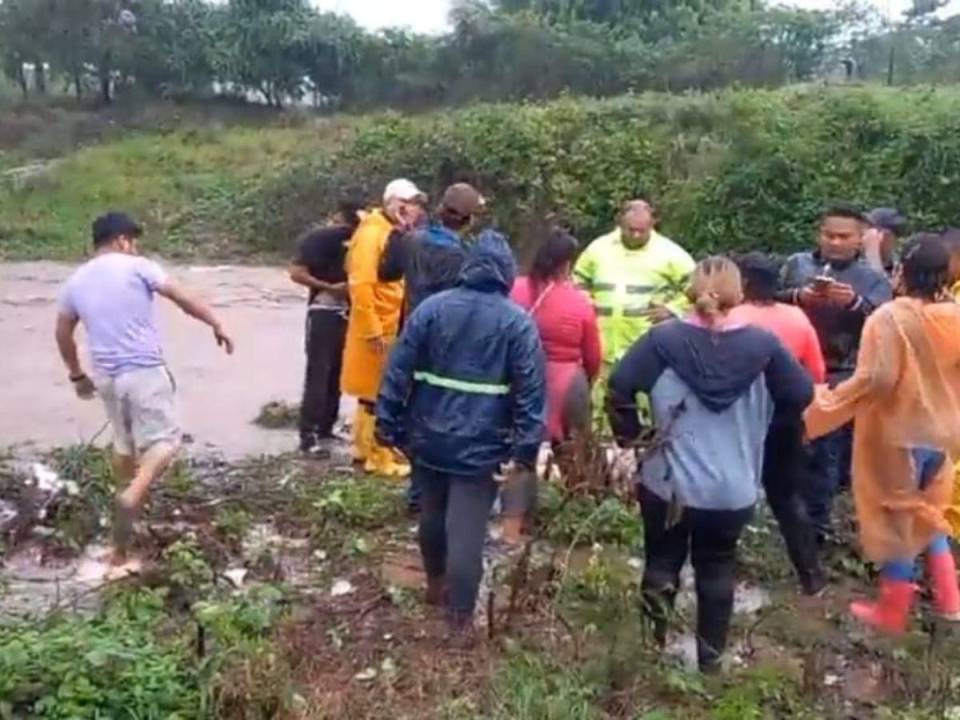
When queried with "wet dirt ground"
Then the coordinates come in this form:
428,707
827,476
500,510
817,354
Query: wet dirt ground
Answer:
219,395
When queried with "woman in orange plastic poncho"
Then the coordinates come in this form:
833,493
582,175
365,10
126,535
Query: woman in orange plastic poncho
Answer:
374,322
904,400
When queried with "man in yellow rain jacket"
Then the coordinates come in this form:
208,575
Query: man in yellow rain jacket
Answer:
636,278
375,309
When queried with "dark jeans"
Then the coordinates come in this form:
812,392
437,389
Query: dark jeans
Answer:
453,527
784,477
325,334
710,538
829,462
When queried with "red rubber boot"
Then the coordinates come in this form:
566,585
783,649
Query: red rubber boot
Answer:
891,612
946,594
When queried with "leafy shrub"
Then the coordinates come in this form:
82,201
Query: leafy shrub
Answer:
364,503
586,521
112,666
730,170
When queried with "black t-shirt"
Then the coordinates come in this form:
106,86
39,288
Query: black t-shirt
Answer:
324,253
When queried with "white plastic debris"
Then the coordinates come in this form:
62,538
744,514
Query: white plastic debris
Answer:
831,680
236,576
8,513
320,555
341,588
635,563
366,675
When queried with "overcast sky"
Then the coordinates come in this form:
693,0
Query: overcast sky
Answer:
431,15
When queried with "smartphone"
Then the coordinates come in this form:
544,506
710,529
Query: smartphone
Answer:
822,282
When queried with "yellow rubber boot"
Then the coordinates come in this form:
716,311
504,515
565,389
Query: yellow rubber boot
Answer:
363,425
386,462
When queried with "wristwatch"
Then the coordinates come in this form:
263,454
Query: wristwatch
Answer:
78,378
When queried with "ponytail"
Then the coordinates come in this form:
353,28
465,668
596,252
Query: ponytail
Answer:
715,288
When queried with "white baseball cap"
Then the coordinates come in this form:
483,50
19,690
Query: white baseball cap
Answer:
405,190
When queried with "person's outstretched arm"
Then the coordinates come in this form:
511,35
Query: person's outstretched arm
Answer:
880,364
528,388
636,373
195,308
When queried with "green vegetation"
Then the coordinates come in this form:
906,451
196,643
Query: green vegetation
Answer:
311,611
281,51
730,170
139,658
186,186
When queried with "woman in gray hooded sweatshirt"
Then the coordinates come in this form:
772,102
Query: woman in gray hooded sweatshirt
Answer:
713,387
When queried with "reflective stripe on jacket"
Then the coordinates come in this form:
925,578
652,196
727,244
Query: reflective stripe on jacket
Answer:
624,283
465,389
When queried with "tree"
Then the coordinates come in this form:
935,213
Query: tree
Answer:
330,53
176,46
24,40
263,47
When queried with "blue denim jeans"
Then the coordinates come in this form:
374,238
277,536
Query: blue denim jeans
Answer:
830,458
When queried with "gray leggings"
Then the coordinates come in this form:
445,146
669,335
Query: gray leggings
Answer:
453,526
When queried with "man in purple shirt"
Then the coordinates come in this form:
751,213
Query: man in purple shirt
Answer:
112,295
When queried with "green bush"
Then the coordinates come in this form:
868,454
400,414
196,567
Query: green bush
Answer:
112,666
731,170
586,522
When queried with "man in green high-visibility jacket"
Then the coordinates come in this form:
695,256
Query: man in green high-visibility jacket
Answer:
636,278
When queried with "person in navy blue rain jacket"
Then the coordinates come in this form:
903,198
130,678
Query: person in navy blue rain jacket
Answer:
463,395
429,260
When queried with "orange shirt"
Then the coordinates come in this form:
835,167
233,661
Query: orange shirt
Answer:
794,329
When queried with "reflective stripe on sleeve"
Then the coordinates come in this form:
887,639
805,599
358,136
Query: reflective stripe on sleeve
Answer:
465,386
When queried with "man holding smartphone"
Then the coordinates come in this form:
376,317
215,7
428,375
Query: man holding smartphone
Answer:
838,291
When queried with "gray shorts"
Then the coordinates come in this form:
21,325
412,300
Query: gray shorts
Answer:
142,409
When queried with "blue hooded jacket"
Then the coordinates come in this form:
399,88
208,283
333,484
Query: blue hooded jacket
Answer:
465,388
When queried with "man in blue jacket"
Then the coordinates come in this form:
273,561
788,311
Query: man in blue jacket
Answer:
838,291
463,394
429,261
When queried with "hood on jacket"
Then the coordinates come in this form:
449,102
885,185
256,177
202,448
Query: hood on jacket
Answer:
437,235
490,266
718,367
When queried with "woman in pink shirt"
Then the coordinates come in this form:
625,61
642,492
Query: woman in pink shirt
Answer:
571,340
569,331
784,462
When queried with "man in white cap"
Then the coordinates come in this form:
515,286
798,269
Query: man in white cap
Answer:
375,310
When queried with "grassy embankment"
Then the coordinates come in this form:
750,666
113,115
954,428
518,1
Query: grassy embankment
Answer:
735,169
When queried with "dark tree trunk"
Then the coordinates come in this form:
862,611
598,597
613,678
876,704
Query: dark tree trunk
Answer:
106,87
78,85
106,91
40,78
22,82
892,66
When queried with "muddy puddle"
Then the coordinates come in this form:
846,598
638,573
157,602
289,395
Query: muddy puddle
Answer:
219,395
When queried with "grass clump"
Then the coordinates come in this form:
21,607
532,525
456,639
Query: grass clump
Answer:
584,520
534,687
113,666
360,503
278,415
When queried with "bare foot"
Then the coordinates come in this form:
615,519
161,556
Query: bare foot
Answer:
122,566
